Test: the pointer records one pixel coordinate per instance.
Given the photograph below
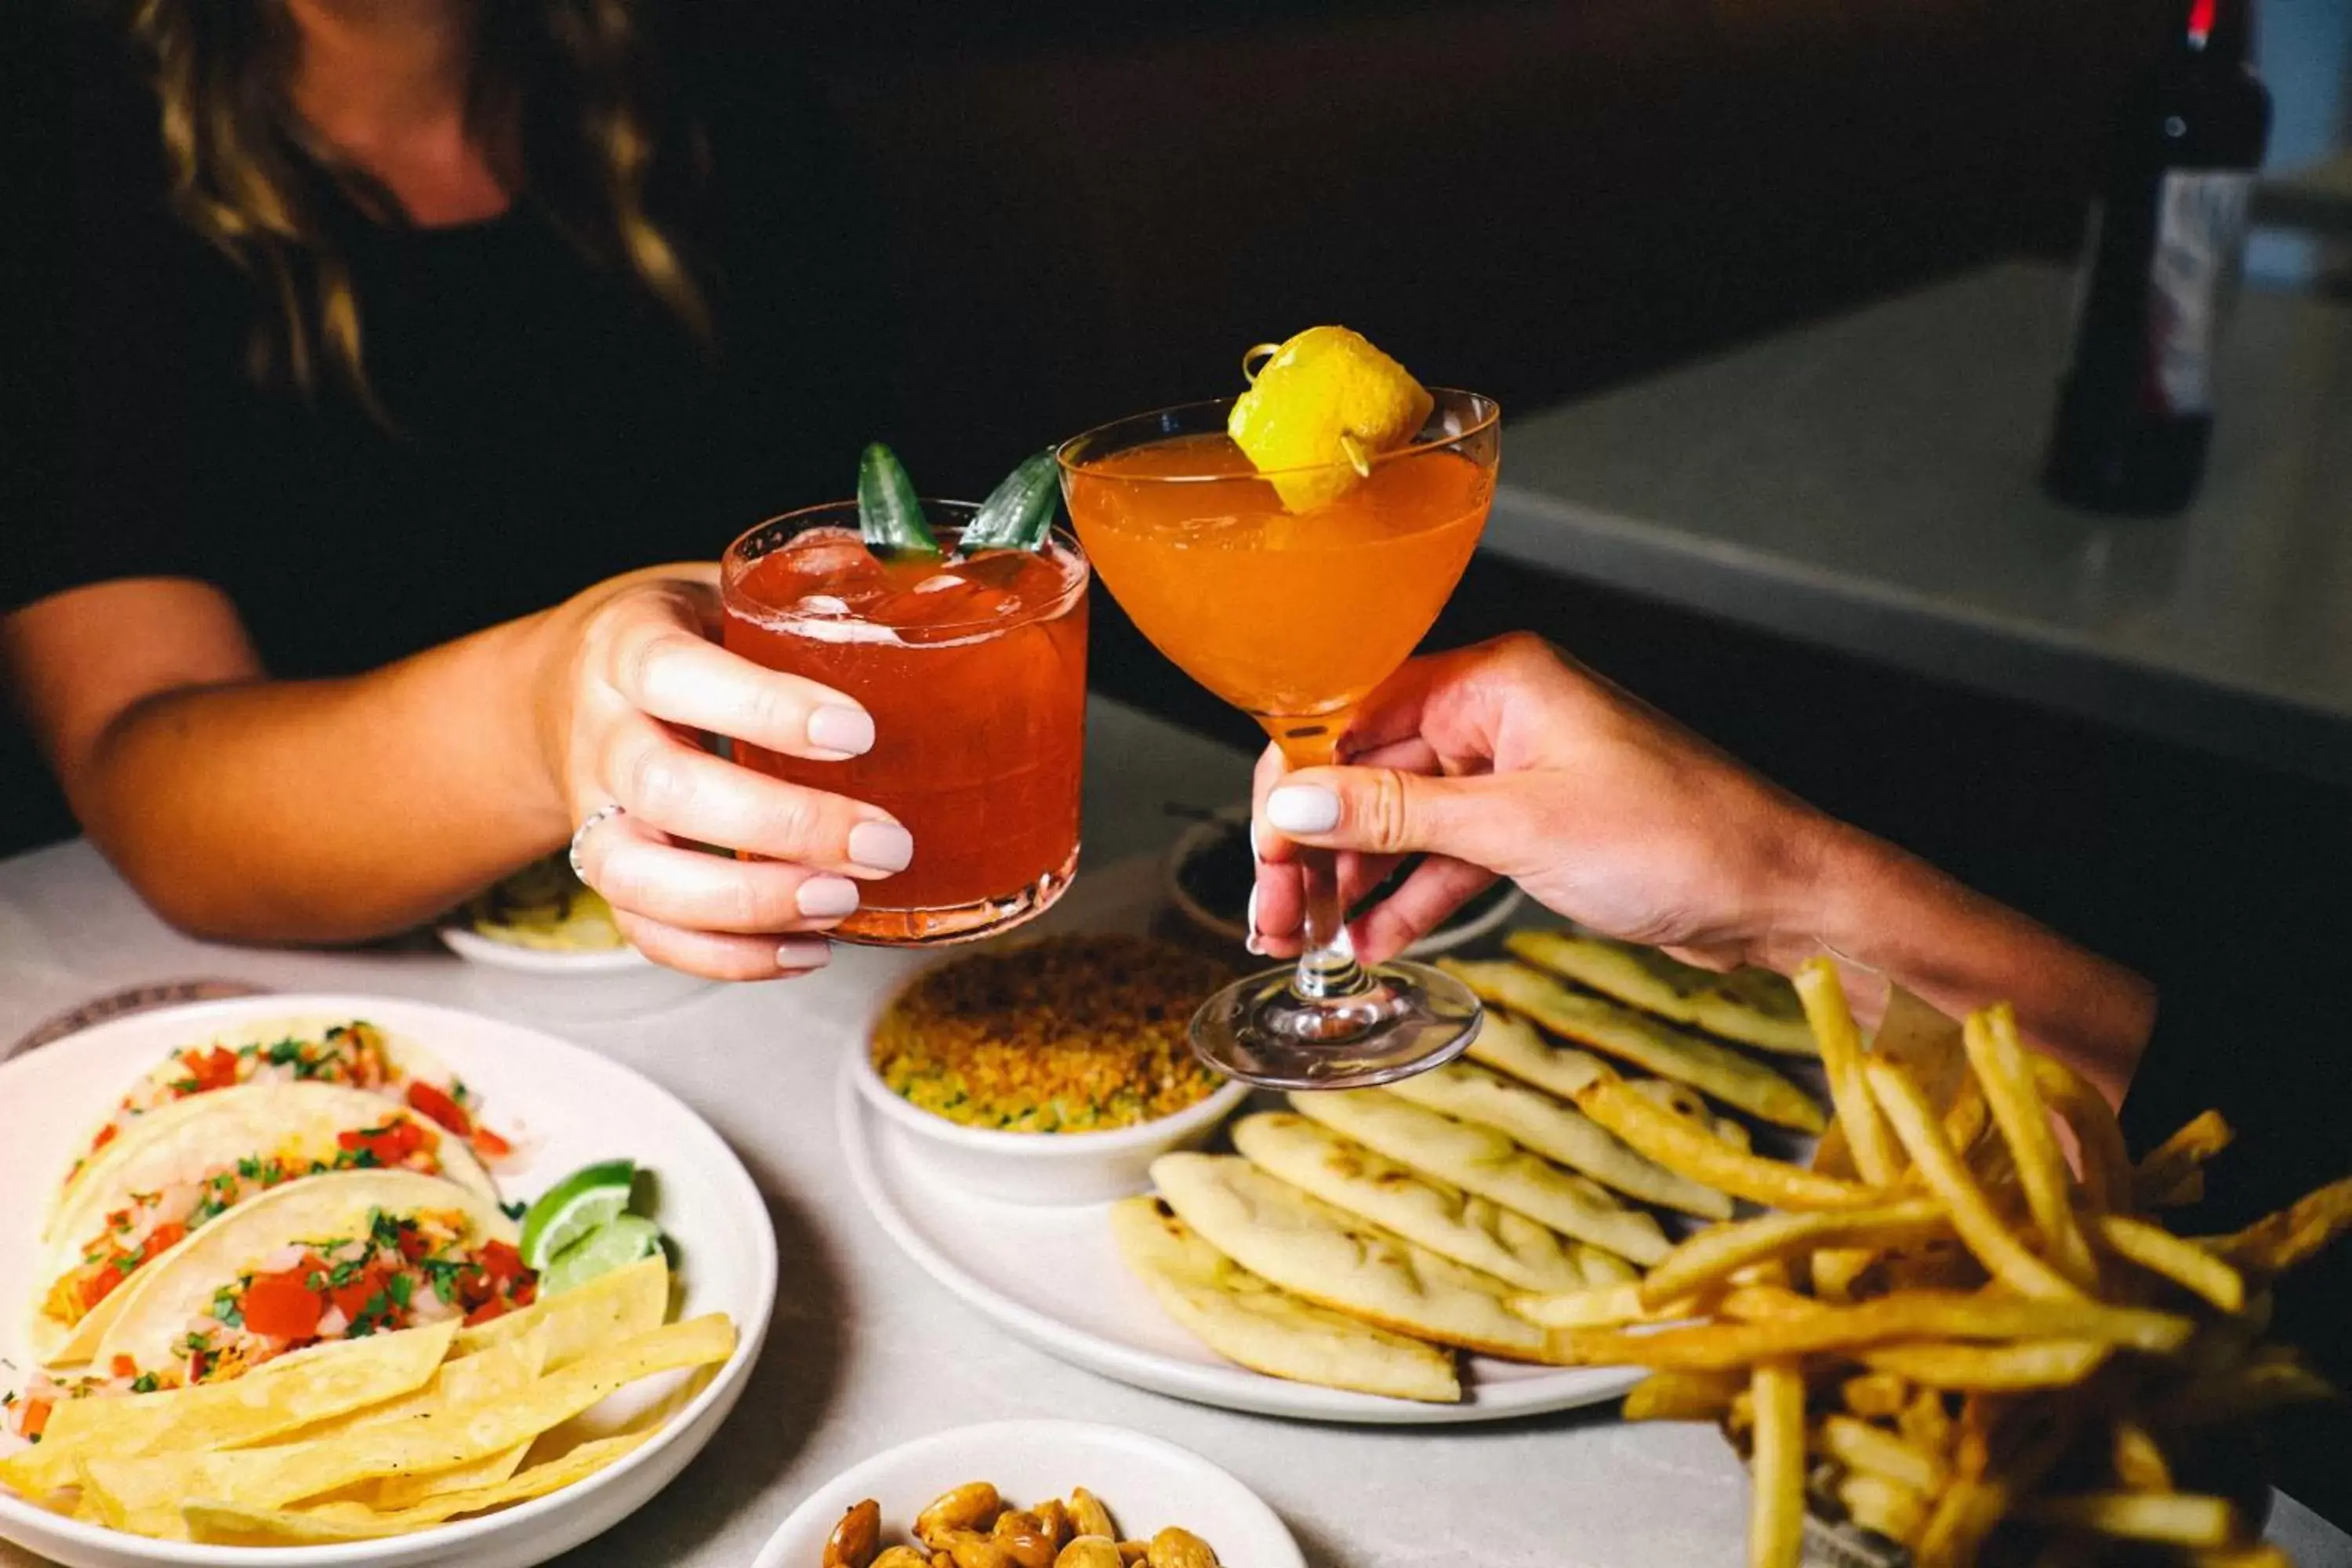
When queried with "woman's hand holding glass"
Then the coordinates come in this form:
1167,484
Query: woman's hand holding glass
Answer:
629,682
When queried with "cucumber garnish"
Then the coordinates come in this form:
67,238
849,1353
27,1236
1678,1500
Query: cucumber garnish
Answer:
1019,513
889,515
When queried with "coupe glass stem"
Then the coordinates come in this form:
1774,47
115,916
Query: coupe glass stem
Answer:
1328,968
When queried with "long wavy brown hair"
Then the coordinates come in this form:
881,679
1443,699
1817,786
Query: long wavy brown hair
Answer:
564,93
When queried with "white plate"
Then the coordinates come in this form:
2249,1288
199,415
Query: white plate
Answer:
1147,1484
565,1106
599,983
1054,1277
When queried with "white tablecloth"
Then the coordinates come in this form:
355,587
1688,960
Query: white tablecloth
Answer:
866,1351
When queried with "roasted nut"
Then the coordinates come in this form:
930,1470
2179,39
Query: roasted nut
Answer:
1174,1548
1056,1521
1090,1551
1088,1517
901,1557
970,1549
1133,1552
856,1540
971,1506
1025,1537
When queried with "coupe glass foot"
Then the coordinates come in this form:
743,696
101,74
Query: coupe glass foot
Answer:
1409,1019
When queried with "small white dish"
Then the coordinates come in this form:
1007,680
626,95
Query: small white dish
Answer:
1146,1483
1048,1170
1203,836
565,1106
1054,1278
606,983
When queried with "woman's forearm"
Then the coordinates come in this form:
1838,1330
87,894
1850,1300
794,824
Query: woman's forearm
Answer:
1890,915
327,810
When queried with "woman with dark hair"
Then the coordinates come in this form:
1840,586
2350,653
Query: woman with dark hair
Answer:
386,325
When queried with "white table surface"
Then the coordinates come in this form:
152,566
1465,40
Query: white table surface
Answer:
867,1353
1867,483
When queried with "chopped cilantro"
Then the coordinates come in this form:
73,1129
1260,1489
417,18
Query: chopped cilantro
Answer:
185,1086
401,1286
516,1209
385,1230
224,1308
314,1281
443,1273
250,1170
7,1399
147,1200
343,1273
285,1052
211,1208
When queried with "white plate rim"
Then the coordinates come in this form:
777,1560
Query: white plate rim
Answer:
450,1538
494,954
1226,1387
827,1502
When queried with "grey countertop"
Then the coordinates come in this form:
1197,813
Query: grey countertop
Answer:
1868,483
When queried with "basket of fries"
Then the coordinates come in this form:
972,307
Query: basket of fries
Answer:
1964,1333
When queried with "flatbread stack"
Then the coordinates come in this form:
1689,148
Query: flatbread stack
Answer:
1361,1240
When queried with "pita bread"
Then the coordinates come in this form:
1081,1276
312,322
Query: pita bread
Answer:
1557,1131
1754,1006
1334,1259
1739,1081
1485,1161
1246,1319
1448,1221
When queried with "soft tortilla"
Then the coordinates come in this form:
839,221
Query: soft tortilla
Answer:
1483,1160
1739,1081
1448,1221
1558,1132
1754,1006
1246,1319
1331,1258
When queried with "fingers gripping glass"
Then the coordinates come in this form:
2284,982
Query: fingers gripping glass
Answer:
1295,617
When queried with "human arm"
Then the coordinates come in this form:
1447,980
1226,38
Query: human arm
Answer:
251,809
1509,758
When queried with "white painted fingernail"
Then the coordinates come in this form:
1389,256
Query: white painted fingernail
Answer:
1249,911
881,846
826,898
1303,808
1257,839
1253,946
801,953
834,728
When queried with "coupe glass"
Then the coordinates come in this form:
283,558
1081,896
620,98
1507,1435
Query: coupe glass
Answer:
1294,617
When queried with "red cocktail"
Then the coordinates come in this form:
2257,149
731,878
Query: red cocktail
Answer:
975,672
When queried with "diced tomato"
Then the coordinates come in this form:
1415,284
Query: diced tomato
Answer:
215,1068
124,1366
437,1105
493,1307
36,1417
526,1293
282,1307
501,1262
106,1135
99,1285
351,1299
489,1145
474,1287
413,1245
389,1145
171,1233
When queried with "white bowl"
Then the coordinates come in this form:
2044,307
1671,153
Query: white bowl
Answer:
607,983
1146,1483
568,1106
1054,1170
1202,834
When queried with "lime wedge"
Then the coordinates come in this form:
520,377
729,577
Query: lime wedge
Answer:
590,1196
600,1251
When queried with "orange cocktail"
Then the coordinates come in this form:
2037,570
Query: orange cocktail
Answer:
1292,617
975,672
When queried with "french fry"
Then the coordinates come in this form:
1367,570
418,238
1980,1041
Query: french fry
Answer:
1716,1253
1656,1047
2169,1518
1859,1446
1875,1394
2107,1164
1823,998
2176,1160
1925,1422
1776,1522
1972,1214
2184,1263
1999,1058
2137,1459
2271,1246
1890,1319
1992,1369
1682,1145
1682,1395
1876,1503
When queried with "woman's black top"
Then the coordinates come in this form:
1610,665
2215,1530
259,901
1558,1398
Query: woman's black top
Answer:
549,424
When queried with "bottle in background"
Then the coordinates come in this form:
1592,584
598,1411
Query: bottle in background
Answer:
2160,266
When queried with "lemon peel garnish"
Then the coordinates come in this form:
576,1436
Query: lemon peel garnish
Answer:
1320,409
